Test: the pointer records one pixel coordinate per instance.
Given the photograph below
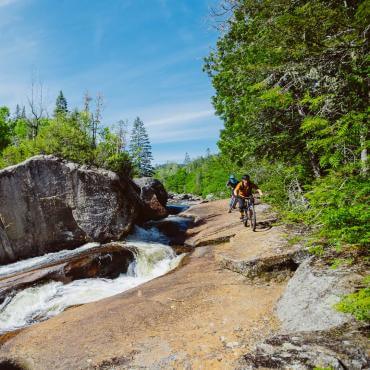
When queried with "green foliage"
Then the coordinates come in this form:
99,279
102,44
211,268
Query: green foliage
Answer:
206,175
202,176
339,262
290,80
5,128
67,135
340,204
14,154
109,154
291,87
357,304
317,250
64,137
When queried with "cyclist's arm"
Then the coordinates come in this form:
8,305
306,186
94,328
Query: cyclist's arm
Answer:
257,189
236,190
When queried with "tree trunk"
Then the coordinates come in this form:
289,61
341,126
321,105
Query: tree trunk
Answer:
314,165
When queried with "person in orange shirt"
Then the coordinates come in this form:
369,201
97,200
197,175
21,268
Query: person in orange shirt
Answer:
243,191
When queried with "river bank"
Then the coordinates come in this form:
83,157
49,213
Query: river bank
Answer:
209,313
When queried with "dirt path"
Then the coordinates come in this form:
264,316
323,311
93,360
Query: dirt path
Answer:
200,316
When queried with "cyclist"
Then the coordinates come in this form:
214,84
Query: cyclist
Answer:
243,191
231,184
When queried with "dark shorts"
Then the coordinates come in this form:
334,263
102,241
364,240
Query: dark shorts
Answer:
242,202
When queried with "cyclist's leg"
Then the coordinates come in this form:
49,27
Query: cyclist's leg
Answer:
231,203
234,202
241,202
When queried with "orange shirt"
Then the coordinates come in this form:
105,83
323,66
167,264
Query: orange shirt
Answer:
245,190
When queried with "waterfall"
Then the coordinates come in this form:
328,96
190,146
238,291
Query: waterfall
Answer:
153,258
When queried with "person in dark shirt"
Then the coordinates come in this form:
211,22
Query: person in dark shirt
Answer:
231,184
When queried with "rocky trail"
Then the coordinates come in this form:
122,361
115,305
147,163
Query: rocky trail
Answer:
239,299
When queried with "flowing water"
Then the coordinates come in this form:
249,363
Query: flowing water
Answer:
153,258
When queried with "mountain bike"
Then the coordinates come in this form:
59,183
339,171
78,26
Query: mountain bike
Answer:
249,212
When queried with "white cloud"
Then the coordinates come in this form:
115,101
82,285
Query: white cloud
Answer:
180,118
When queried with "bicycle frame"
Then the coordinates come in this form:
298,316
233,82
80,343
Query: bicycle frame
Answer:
249,212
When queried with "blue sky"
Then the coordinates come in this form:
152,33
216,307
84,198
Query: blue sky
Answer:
144,56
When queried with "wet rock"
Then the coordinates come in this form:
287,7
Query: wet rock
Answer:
48,204
307,303
175,209
337,349
183,198
173,227
154,196
104,261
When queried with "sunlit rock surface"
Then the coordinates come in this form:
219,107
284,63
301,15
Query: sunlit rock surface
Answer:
48,204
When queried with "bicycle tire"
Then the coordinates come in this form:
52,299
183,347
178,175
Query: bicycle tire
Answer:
245,221
253,218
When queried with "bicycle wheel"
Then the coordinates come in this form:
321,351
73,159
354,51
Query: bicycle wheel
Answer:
245,220
252,215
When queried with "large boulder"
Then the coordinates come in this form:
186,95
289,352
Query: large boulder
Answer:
48,204
154,197
308,300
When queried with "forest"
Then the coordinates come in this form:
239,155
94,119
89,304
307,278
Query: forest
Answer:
76,135
292,88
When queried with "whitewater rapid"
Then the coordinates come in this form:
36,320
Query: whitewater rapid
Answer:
153,258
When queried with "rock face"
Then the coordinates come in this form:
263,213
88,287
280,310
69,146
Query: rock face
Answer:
48,204
307,303
154,197
313,334
336,349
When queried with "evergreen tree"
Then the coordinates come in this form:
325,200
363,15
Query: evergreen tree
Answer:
61,104
17,113
23,114
140,149
187,159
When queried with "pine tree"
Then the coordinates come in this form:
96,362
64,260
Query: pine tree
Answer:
23,114
187,159
140,149
61,104
17,113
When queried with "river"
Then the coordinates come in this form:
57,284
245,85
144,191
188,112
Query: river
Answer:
153,257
